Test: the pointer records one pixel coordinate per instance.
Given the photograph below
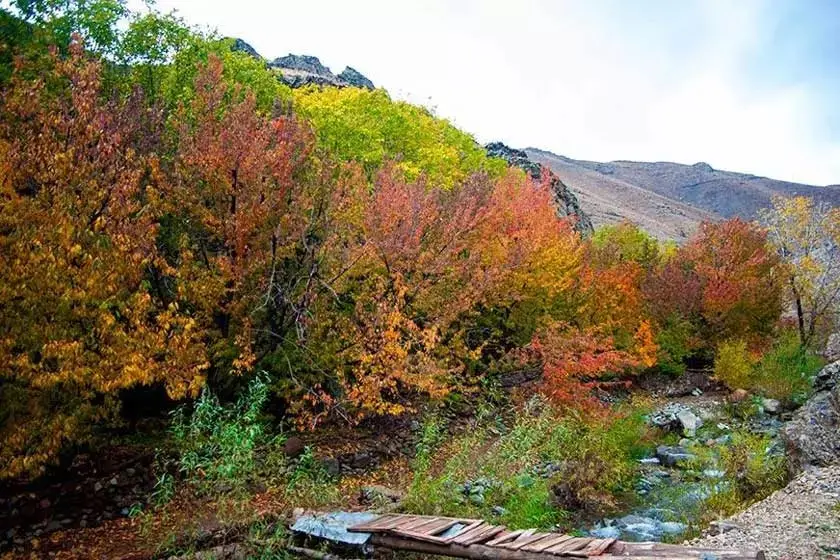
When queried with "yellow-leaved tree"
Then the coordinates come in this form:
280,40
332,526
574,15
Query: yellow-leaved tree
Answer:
806,236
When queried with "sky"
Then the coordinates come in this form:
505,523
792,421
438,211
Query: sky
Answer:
744,85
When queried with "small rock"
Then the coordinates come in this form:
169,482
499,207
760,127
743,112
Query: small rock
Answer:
499,511
293,447
114,481
725,526
689,421
672,456
331,467
376,494
738,395
771,406
97,487
697,391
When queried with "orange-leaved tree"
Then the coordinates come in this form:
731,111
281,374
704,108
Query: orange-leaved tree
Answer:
728,277
78,198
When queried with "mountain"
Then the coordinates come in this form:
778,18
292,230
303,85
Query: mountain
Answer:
668,199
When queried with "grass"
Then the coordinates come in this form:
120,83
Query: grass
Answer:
532,472
222,462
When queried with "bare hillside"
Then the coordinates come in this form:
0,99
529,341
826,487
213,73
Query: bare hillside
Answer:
669,199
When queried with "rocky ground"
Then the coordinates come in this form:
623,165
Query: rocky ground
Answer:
802,520
798,522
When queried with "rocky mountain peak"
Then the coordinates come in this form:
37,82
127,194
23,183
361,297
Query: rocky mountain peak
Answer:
355,78
241,46
302,62
567,202
301,70
298,70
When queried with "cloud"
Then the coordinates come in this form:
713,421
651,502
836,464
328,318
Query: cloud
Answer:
654,80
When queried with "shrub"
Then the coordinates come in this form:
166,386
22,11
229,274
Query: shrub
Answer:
214,442
752,471
734,365
785,372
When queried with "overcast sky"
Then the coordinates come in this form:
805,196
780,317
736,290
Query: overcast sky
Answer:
745,85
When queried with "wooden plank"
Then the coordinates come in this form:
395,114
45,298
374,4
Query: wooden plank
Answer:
414,525
488,533
374,523
463,536
568,546
484,552
553,540
597,547
438,526
523,535
468,529
505,537
519,543
425,537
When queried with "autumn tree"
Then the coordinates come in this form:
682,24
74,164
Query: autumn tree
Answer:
806,236
728,276
426,261
370,128
77,229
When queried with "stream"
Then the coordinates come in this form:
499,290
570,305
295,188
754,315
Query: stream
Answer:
677,479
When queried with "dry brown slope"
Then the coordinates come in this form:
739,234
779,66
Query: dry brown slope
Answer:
670,199
611,200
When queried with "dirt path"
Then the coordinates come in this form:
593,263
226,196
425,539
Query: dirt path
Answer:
798,522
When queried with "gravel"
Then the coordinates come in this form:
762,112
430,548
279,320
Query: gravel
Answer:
798,522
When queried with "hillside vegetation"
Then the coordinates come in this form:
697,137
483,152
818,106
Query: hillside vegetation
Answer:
173,216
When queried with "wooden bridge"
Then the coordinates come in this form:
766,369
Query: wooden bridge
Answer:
477,539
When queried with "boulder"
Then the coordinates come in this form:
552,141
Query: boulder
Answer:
832,348
689,422
828,377
293,447
672,456
812,437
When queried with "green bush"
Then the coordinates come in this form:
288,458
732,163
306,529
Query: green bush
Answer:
734,365
675,340
752,471
785,372
216,443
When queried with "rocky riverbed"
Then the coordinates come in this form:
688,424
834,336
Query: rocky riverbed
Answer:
683,473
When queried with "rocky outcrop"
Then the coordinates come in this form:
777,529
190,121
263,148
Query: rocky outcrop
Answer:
303,70
813,436
355,78
241,46
567,202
